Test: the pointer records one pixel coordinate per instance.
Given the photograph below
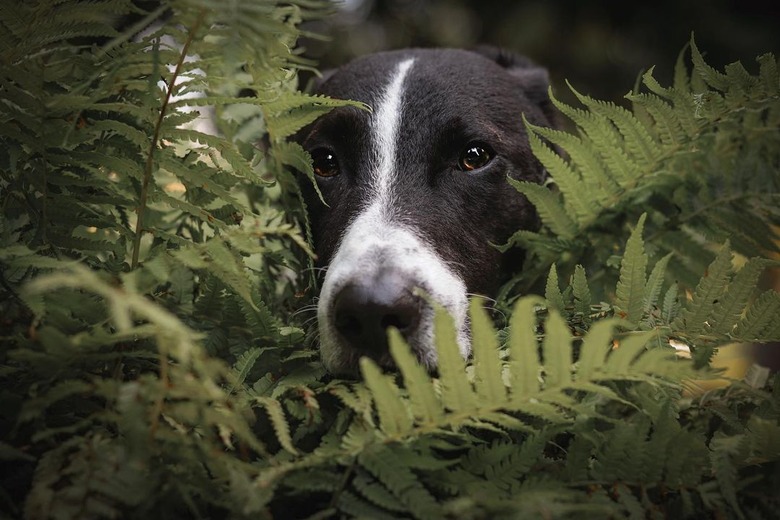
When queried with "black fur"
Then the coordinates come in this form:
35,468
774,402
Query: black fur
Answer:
451,100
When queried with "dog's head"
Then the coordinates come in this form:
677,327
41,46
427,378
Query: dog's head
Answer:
416,192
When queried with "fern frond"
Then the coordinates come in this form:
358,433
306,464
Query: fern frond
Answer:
550,209
636,140
488,380
568,181
552,291
455,394
243,366
386,466
595,346
378,494
654,284
290,113
393,416
524,365
556,351
581,293
760,323
631,284
709,290
279,422
731,305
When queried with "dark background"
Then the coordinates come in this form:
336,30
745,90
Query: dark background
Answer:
600,47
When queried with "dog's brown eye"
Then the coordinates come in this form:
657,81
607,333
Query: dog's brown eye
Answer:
475,156
325,163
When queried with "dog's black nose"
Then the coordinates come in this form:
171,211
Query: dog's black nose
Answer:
364,311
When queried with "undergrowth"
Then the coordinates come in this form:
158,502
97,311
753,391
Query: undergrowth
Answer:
153,364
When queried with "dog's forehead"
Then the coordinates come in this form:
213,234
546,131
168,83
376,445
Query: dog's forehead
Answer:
460,73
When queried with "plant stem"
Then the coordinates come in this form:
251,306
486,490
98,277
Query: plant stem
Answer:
156,138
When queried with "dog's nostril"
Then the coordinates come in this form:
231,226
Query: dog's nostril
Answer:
393,320
363,313
348,323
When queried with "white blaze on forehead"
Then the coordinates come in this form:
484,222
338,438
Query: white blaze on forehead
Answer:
373,243
385,128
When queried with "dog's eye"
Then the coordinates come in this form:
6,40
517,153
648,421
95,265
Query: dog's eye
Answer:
474,157
324,162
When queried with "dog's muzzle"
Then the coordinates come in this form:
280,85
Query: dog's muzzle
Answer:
366,307
383,275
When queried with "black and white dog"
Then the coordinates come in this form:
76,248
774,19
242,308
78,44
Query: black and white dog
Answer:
416,192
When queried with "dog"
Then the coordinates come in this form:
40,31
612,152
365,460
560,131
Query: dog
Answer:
415,193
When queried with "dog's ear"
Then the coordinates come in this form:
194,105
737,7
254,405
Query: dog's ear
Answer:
535,80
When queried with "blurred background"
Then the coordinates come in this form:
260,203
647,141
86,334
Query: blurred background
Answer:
599,46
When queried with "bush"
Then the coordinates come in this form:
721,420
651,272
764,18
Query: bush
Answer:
154,363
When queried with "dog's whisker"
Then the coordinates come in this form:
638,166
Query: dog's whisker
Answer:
316,269
479,296
306,309
309,321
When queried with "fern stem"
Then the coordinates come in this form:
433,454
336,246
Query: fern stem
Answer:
342,485
159,402
156,137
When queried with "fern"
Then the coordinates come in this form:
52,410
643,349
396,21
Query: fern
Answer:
152,364
663,158
631,285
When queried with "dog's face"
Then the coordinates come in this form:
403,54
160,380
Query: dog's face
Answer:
417,193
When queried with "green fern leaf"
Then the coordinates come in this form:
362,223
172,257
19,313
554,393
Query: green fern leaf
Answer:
292,112
394,417
556,349
586,161
654,283
595,347
666,124
712,77
359,507
488,380
636,139
455,394
548,204
524,365
768,72
396,476
292,154
261,322
378,494
603,134
760,323
764,438
723,450
278,421
708,292
671,305
627,352
731,306
552,292
631,284
581,292
425,405
223,263
243,366
575,193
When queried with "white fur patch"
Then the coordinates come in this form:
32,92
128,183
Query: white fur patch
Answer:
373,242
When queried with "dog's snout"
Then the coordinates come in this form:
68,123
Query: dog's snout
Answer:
364,311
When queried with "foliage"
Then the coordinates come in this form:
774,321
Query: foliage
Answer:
700,158
152,364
